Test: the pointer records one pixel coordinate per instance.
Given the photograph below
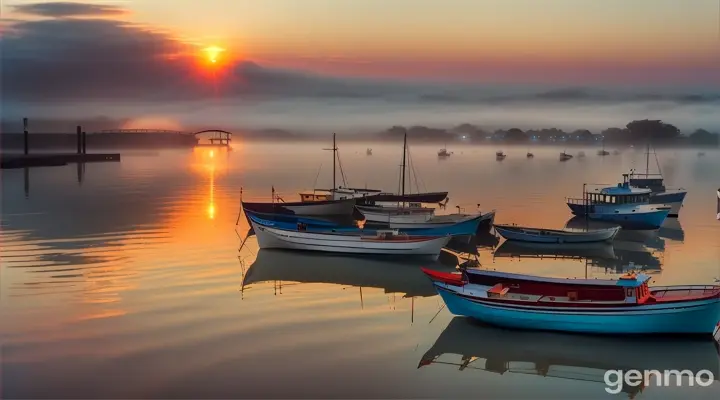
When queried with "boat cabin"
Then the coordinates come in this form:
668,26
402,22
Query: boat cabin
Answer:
654,182
623,193
310,197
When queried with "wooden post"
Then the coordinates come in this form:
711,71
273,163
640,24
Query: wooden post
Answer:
84,143
78,130
27,182
26,137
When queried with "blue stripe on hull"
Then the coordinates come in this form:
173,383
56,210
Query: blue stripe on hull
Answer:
645,220
466,228
700,319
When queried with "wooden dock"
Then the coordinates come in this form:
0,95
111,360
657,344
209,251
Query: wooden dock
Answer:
53,159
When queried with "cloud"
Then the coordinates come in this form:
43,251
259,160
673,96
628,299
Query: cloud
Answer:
62,9
99,59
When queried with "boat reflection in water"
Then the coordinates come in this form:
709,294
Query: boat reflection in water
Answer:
470,345
392,275
617,257
650,238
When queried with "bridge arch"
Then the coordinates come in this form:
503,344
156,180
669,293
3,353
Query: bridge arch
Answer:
215,137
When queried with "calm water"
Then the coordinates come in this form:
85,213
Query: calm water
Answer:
126,280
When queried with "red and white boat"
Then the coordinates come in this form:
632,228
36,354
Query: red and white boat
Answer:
604,306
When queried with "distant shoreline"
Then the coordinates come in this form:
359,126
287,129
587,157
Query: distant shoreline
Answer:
14,141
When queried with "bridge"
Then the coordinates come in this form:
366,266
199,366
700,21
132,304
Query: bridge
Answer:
142,131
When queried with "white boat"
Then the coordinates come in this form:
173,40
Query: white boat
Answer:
438,221
396,215
537,235
387,242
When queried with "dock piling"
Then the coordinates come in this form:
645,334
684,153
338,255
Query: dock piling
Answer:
26,136
78,130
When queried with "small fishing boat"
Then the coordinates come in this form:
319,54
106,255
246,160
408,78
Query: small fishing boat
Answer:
368,151
312,203
565,156
530,155
603,153
442,153
500,156
625,205
395,215
537,235
385,242
465,227
600,306
438,221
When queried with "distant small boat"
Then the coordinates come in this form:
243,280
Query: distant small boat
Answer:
701,154
603,153
581,154
500,156
565,156
386,242
530,155
368,151
536,235
444,153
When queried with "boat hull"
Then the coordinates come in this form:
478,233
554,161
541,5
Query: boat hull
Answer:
273,238
535,236
692,317
644,219
673,199
316,208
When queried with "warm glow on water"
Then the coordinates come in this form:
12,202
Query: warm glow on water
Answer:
132,270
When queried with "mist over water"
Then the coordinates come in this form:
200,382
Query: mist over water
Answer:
312,115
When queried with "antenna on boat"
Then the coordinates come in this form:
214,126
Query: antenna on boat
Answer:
403,162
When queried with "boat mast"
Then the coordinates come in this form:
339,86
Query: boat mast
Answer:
334,153
647,160
403,162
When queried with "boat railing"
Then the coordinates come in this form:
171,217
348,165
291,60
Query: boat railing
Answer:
685,287
578,201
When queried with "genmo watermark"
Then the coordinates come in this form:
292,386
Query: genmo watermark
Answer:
616,379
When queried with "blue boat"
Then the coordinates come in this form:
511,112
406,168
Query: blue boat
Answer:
465,227
623,204
600,306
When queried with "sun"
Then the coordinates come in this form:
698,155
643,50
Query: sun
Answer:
213,53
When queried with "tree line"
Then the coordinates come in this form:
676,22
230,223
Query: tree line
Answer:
635,132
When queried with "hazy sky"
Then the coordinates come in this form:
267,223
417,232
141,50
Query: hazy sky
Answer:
485,40
661,53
